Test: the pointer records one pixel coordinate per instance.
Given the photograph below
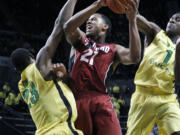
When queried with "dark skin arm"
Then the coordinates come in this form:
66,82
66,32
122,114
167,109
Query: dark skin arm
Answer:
131,55
148,28
44,56
71,27
177,63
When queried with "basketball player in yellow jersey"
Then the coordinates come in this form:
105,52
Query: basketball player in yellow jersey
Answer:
154,100
51,103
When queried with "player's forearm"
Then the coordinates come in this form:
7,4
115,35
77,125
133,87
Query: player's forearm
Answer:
134,42
177,65
78,19
47,52
65,13
142,23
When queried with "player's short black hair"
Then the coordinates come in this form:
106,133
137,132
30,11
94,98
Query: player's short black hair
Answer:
20,58
108,22
178,12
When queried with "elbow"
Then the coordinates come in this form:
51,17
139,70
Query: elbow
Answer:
66,28
59,23
57,30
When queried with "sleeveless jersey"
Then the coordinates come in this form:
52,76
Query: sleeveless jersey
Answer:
50,102
156,70
92,66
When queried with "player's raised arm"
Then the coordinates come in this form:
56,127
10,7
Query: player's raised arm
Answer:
43,60
71,27
147,27
132,54
177,63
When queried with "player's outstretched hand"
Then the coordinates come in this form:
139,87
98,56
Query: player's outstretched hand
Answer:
60,70
133,10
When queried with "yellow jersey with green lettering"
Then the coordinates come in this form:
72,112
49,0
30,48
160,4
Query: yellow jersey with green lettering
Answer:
156,71
50,102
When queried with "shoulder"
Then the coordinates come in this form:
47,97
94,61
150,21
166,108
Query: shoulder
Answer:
149,39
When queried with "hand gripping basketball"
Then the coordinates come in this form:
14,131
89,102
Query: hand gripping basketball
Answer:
119,6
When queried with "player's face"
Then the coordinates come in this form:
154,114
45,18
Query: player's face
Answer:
173,26
94,25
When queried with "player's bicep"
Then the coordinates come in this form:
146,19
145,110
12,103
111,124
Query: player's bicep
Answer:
47,51
154,28
53,41
147,27
43,63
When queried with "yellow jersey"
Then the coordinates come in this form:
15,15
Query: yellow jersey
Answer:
156,71
50,102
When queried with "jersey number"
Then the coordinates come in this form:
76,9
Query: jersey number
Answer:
169,54
89,56
32,92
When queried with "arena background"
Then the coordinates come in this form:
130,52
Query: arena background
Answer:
27,24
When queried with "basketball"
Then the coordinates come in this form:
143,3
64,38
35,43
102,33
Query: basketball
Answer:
119,6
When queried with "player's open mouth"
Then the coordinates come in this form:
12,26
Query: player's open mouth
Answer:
170,25
88,27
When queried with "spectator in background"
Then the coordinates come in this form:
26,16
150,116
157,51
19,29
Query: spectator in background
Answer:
2,94
6,87
12,99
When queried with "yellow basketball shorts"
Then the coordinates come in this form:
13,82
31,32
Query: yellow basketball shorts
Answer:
60,129
148,109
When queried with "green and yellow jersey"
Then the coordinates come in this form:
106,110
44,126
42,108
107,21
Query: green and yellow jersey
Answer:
156,71
50,102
